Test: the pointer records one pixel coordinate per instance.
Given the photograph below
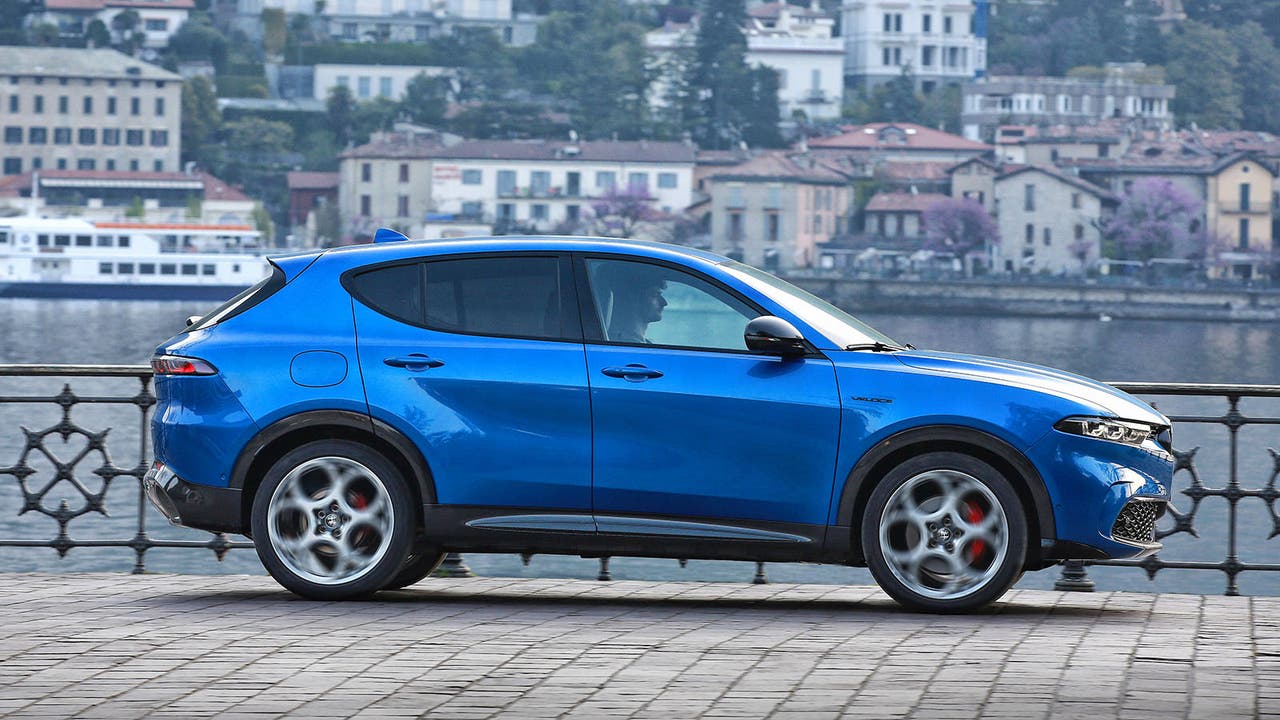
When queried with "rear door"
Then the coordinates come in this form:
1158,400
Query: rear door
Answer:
479,360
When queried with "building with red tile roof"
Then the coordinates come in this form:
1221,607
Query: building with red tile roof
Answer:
898,141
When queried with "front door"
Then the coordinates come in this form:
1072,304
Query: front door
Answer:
687,423
480,362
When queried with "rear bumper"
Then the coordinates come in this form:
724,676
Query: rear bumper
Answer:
192,505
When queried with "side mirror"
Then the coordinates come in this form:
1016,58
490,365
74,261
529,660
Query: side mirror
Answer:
773,335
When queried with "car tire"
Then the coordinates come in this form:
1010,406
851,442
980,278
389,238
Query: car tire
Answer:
421,562
333,520
944,532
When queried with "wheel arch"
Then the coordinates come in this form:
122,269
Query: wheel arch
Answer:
892,451
271,443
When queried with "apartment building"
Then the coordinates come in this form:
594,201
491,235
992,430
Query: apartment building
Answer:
398,20
1121,90
774,210
158,20
942,41
1049,221
370,81
386,182
72,109
875,143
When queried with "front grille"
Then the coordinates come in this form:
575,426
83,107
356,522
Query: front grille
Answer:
1137,522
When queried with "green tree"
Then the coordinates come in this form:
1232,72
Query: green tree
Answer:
372,116
425,99
720,78
1234,13
760,116
941,109
12,13
486,70
275,31
198,39
201,119
136,209
45,34
341,109
896,100
195,209
263,224
1259,74
1204,63
96,34
259,139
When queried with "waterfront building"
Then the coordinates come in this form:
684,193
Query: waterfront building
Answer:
1129,91
73,109
975,180
158,20
774,210
309,192
1049,221
386,182
899,215
944,42
794,41
1047,145
369,81
144,197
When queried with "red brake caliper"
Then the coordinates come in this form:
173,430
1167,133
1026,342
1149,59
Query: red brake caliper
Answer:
974,515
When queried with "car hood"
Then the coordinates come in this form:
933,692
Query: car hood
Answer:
1106,398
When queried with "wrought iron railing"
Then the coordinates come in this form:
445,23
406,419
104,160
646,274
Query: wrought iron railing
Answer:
72,474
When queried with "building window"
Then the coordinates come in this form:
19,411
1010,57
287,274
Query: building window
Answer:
946,25
159,106
1029,198
13,104
402,206
86,164
349,31
13,135
366,172
62,136
64,104
366,205
158,166
1244,234
363,88
538,211
1075,201
88,106
539,183
666,180
927,24
1031,233
39,108
606,180
159,138
771,226
638,182
572,213
134,138
472,209
1244,197
13,166
111,106
156,24
1048,237
404,172
38,136
133,166
573,184
87,136
110,136
343,81
384,87
1079,230
472,177
506,212
111,165
735,227
926,55
135,106
506,183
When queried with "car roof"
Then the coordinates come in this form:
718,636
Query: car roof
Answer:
356,255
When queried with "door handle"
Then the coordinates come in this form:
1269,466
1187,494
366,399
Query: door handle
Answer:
413,361
633,372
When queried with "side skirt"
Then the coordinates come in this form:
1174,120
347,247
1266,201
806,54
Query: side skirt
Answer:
536,531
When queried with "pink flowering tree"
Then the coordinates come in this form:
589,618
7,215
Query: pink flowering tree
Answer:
618,213
959,226
1156,218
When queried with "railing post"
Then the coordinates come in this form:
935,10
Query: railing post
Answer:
1074,578
604,575
760,578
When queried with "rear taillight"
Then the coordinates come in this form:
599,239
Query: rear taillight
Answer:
174,365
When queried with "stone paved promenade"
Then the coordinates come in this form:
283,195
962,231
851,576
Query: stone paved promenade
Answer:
120,646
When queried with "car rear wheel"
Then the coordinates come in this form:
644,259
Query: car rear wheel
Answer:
333,520
944,532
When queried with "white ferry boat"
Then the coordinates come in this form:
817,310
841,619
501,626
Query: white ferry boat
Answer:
75,258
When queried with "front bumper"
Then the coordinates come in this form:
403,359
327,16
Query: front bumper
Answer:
191,505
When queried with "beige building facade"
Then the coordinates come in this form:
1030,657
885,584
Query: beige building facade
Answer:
1049,221
1238,213
94,110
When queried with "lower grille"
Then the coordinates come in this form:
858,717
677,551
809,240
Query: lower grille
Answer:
1137,522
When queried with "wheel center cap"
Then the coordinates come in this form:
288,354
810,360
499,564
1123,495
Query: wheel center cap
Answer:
331,520
942,535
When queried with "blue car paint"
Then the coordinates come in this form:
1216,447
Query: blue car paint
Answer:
542,416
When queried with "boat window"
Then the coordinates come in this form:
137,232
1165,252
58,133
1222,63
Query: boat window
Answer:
124,268
123,241
62,240
206,270
4,237
104,241
104,268
189,269
146,268
42,240
168,268
84,240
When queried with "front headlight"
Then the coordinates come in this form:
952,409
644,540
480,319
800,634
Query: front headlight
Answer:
1127,432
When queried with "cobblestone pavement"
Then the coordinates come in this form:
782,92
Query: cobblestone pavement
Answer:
121,646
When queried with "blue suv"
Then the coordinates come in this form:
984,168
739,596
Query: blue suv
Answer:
364,410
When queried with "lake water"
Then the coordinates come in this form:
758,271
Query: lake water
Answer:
82,331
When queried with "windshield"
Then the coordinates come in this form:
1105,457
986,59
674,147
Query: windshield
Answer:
837,325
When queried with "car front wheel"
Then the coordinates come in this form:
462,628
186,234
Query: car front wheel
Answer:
944,532
333,520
